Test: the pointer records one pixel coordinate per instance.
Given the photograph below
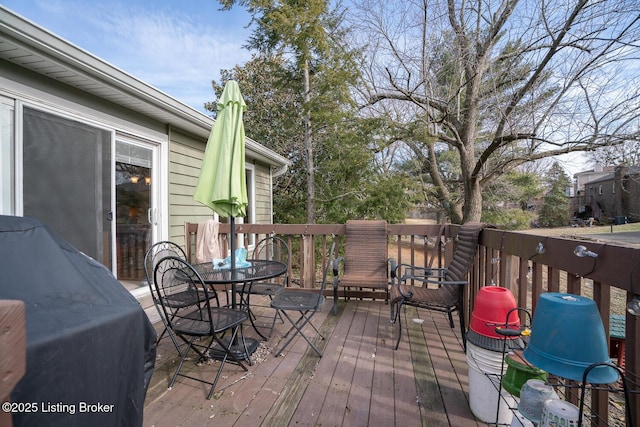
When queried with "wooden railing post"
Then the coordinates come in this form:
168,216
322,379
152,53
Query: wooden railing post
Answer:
511,270
308,276
632,364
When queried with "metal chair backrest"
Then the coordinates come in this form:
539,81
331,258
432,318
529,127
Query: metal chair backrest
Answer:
155,253
181,292
274,248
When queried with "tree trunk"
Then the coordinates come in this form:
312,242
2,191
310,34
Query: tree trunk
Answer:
472,210
311,189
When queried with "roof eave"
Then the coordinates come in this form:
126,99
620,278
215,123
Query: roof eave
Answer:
165,108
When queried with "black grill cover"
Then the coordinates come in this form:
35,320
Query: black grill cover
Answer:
90,346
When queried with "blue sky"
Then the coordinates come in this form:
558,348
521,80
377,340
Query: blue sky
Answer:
176,46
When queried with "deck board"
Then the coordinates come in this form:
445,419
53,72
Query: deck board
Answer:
408,406
359,400
360,380
382,410
335,406
310,405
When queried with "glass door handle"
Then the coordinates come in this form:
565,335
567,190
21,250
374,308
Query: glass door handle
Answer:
151,215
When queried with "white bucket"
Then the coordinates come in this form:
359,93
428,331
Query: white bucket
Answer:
487,400
487,361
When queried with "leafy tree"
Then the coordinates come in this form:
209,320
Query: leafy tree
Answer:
350,183
555,208
272,97
301,82
320,64
508,201
500,83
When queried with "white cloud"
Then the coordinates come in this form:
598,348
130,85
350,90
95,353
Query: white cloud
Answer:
179,51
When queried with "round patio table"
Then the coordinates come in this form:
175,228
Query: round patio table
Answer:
256,270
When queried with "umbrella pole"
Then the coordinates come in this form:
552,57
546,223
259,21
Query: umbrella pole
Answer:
232,241
232,245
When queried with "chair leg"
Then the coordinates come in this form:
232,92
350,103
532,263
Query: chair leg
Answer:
297,325
228,353
175,374
167,330
451,324
275,317
190,345
463,331
205,354
397,319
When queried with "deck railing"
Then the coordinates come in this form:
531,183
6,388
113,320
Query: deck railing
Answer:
526,264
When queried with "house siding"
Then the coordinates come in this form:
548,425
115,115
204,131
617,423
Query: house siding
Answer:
602,198
185,160
628,192
263,195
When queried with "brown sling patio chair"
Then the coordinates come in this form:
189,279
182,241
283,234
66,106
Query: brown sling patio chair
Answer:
366,263
439,289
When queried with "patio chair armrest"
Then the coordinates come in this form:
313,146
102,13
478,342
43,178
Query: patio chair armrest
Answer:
445,282
336,265
404,291
392,269
405,272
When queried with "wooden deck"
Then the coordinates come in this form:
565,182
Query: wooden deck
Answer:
359,381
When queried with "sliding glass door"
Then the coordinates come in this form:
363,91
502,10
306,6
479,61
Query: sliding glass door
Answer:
103,203
136,215
66,180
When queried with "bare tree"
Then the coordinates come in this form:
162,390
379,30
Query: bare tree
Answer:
627,154
501,83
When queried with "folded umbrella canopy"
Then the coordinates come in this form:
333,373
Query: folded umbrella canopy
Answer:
221,184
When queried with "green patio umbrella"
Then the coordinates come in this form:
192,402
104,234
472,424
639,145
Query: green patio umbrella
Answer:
221,184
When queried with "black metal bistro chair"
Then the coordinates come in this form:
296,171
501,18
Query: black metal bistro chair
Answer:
303,302
154,254
199,324
270,248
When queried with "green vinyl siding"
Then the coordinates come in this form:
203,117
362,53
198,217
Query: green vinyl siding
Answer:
185,160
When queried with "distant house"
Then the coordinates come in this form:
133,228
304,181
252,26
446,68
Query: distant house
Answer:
610,195
102,158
